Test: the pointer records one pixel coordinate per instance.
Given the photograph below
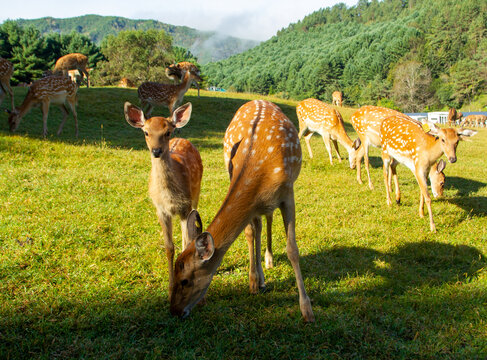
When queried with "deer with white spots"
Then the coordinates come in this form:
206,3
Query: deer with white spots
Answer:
316,116
263,154
73,61
404,141
156,94
175,177
6,71
51,89
176,72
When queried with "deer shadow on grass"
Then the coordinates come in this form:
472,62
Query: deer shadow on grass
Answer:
463,186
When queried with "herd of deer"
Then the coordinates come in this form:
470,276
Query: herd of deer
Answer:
262,154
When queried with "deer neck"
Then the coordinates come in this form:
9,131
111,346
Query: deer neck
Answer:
435,151
162,167
186,83
27,104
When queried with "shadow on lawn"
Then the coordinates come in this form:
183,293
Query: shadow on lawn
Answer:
463,185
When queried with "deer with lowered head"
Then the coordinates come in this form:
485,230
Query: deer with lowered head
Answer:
156,94
263,164
73,61
405,141
175,177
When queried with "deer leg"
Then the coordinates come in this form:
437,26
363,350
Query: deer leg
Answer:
394,164
358,162
269,257
72,105
335,144
326,140
253,276
366,163
307,139
7,89
85,73
166,225
386,168
289,219
45,112
421,178
65,116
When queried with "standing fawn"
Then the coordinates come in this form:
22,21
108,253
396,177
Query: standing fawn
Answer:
316,116
264,162
403,140
6,71
51,89
155,94
337,98
176,72
74,61
175,177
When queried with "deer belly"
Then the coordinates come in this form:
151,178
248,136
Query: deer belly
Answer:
401,158
373,136
59,98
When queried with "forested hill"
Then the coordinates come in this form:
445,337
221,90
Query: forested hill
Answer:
411,54
207,46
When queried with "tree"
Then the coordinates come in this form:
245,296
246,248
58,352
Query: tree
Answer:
412,86
135,54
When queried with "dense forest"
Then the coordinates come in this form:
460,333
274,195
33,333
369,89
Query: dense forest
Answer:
408,54
205,45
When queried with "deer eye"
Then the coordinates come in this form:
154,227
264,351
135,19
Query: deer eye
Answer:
146,133
184,282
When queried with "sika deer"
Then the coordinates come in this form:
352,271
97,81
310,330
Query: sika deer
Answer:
404,140
155,94
176,72
73,61
264,162
175,178
316,116
51,89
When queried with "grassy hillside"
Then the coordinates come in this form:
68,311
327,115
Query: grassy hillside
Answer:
206,45
83,272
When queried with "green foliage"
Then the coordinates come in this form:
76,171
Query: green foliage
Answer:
181,54
207,46
136,54
357,50
83,272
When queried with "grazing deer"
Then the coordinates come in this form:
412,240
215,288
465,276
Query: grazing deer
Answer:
155,94
453,116
176,72
51,89
404,141
175,178
74,61
264,162
316,116
474,120
126,83
6,71
337,98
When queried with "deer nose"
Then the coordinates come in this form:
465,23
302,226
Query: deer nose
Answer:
156,152
453,159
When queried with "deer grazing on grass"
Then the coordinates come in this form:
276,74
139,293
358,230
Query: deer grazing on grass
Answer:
474,120
404,141
176,72
51,89
337,98
316,116
74,61
6,71
453,116
264,162
175,178
155,94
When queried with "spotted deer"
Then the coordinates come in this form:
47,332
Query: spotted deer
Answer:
6,71
337,98
316,116
474,120
73,61
175,177
56,89
156,94
263,164
404,141
176,72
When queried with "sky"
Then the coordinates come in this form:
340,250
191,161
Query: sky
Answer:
248,19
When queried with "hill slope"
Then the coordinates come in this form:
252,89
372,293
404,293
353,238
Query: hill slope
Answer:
207,46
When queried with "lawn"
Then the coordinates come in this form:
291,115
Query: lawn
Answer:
83,273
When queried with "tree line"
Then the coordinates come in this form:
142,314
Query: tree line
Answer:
408,54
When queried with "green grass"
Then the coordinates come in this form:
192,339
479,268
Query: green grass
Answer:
83,273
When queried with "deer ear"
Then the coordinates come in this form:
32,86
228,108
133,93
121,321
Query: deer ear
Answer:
441,166
133,115
205,247
465,133
194,225
357,143
181,115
